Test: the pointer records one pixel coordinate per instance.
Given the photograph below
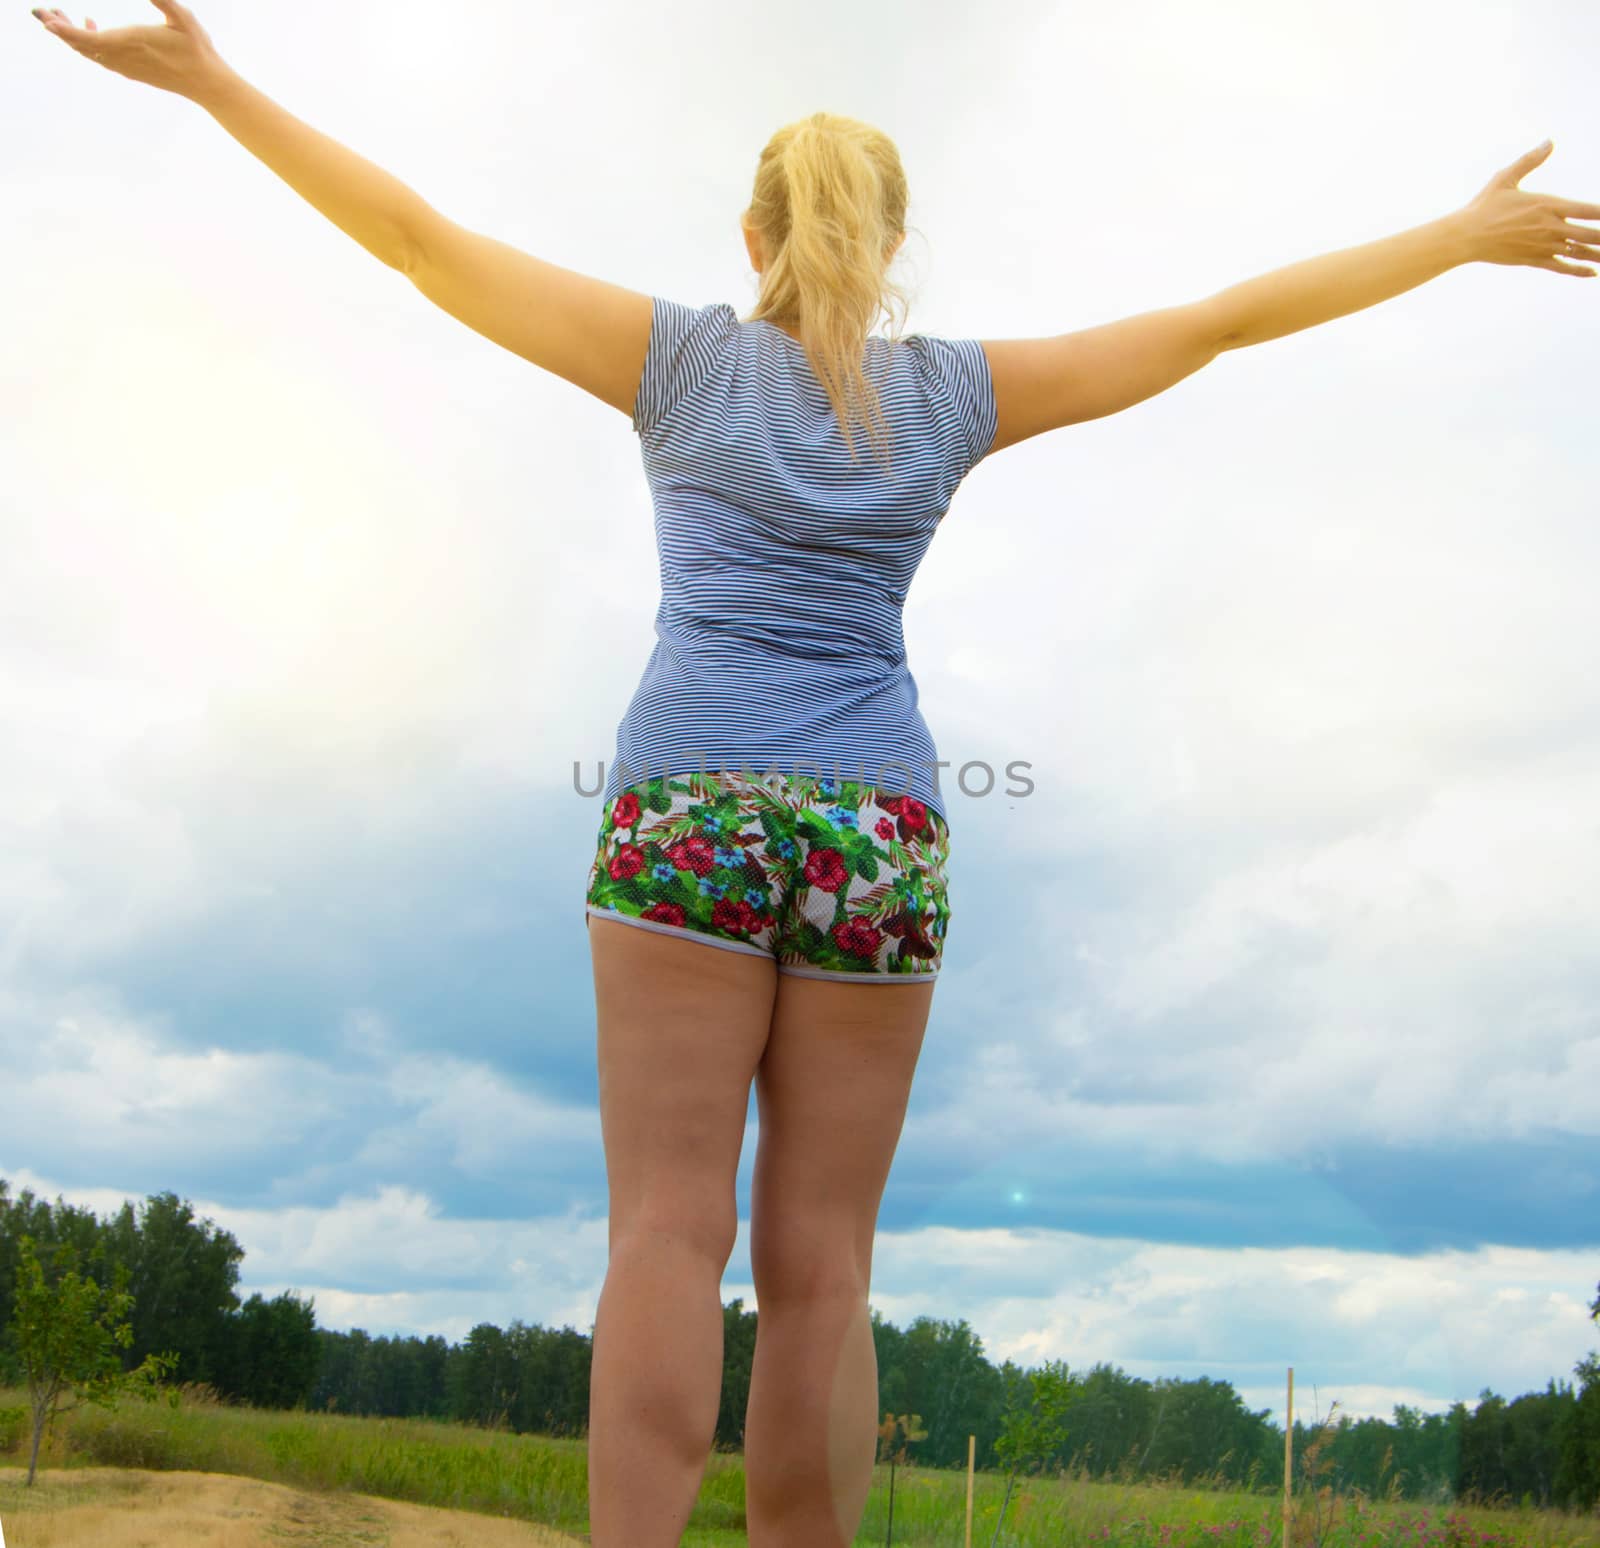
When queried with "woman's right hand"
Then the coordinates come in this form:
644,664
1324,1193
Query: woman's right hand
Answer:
1507,224
177,56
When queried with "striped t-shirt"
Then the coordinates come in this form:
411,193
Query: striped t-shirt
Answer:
785,566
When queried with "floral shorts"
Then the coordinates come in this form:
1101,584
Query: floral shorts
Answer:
831,878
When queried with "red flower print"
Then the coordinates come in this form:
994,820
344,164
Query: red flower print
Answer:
825,868
695,853
884,828
726,916
857,937
665,913
625,811
908,929
912,813
628,861
751,919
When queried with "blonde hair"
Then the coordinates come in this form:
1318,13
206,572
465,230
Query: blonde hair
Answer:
829,205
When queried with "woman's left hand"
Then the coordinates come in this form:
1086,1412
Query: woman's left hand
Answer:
178,56
1507,224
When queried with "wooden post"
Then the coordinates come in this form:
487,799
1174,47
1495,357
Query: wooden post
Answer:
1288,1455
972,1447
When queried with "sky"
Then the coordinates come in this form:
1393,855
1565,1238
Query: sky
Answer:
1269,1028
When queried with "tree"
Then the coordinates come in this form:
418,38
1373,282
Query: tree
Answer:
49,1226
1578,1468
481,1378
738,1364
269,1358
1034,1435
67,1329
184,1272
1111,1413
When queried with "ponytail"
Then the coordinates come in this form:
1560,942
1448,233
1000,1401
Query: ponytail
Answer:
830,206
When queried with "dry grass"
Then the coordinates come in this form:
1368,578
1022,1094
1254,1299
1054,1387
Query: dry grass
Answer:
114,1507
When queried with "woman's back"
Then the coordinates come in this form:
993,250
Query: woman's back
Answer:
785,564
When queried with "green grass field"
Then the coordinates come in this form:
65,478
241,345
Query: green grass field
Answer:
541,1480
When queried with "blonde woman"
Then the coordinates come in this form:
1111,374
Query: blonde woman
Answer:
767,900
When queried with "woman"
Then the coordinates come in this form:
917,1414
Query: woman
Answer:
776,793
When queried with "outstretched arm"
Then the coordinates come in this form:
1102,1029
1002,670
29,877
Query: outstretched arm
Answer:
1504,224
1044,384
592,333
363,200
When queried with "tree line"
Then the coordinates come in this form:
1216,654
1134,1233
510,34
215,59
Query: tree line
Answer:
183,1308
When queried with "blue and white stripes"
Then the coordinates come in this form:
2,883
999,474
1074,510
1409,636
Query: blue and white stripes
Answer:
785,566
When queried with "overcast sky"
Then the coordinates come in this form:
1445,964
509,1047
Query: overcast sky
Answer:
1269,1033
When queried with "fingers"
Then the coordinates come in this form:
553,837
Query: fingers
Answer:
1570,207
1573,235
1560,266
1524,164
55,20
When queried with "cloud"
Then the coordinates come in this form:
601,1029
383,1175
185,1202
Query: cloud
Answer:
1267,1029
88,1081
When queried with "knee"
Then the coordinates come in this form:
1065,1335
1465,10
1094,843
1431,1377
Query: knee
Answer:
709,1237
800,1263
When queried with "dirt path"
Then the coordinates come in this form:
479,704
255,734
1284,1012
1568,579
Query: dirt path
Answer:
114,1507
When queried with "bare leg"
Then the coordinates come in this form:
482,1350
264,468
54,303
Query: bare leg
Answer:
810,1438
654,1391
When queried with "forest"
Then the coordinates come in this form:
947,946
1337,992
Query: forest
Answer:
182,1272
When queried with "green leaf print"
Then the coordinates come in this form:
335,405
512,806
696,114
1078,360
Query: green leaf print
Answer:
916,899
816,829
684,825
608,893
725,809
881,902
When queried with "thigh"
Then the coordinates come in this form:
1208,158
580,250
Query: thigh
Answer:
832,1088
681,1030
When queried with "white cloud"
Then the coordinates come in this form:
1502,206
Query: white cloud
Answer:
88,1080
486,1126
1301,652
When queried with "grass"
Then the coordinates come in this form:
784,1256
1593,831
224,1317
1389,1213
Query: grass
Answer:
542,1480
